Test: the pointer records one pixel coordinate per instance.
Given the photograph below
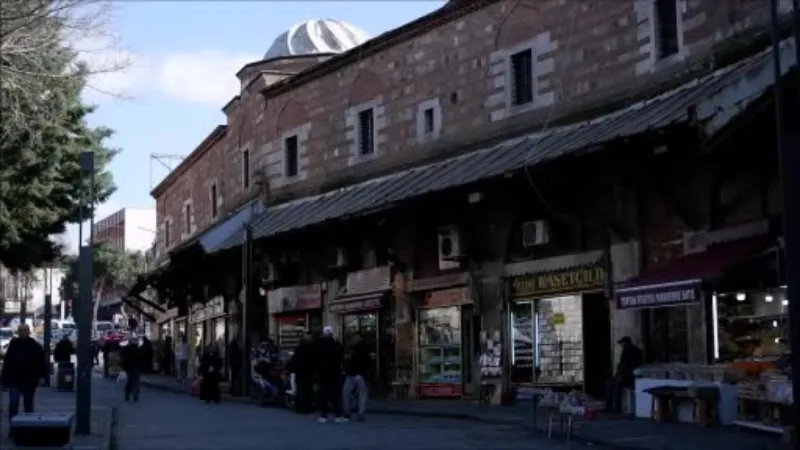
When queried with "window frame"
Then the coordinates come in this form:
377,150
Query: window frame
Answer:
514,78
362,133
296,157
658,29
246,169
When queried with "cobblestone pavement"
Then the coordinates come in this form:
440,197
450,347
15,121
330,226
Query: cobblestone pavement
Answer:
163,420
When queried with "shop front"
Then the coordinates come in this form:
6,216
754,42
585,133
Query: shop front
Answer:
364,308
216,325
445,326
293,311
716,316
560,330
196,333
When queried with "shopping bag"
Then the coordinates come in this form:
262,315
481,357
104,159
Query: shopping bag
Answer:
122,377
195,387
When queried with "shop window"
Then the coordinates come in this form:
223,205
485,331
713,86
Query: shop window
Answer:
187,218
667,335
522,77
547,341
751,325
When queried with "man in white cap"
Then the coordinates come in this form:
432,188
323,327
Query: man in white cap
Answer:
330,354
24,368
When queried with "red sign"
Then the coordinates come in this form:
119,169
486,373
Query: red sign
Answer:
440,390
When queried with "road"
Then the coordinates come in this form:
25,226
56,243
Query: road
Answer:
163,420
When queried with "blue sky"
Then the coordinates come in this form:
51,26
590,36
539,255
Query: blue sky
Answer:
183,58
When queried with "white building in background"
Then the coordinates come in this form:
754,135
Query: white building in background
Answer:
132,229
30,287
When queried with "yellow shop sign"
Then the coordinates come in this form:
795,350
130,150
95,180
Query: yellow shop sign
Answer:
578,279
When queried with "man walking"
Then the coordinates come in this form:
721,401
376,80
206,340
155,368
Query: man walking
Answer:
356,370
329,368
24,368
132,364
182,355
302,366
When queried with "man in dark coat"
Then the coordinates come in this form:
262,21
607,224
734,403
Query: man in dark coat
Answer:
132,363
64,350
329,356
302,366
629,360
357,367
235,366
24,369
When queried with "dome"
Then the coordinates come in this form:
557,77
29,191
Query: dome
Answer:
317,36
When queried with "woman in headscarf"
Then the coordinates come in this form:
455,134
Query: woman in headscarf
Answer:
211,372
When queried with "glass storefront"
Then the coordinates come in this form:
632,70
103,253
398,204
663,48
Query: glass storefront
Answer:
751,325
440,352
547,341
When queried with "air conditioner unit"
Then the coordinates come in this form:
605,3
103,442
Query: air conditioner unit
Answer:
535,233
336,257
450,252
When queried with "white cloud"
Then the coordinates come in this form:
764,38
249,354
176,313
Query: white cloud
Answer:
71,240
206,76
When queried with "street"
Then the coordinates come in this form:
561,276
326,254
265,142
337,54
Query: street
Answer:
163,420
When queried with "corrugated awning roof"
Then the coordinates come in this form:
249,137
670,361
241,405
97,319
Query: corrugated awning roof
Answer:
712,101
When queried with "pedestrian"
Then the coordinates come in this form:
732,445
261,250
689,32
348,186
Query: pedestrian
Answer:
235,366
147,354
329,354
302,366
96,345
24,368
210,370
166,356
132,364
62,353
629,360
182,355
357,367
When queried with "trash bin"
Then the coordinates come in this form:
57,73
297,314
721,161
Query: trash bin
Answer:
65,377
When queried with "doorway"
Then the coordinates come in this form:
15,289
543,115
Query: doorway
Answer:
365,324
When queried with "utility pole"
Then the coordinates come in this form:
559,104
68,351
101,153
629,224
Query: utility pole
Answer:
788,149
48,320
84,310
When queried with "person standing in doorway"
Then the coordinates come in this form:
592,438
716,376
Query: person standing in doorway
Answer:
329,355
24,369
235,366
357,367
629,360
182,355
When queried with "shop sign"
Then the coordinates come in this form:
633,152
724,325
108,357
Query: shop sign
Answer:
446,297
197,313
361,304
578,279
377,279
440,390
295,298
657,296
440,282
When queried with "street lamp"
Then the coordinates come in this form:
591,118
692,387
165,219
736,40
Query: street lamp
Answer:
83,315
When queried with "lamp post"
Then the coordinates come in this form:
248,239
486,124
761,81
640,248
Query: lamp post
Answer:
83,313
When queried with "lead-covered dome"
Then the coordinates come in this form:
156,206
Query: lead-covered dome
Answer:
317,36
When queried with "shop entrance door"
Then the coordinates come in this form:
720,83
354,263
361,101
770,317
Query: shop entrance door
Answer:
366,324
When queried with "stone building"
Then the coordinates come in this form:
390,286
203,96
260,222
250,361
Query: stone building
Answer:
430,186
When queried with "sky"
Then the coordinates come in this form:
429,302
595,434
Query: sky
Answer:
180,60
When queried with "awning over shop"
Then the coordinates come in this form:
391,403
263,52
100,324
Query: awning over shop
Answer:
679,282
212,239
712,101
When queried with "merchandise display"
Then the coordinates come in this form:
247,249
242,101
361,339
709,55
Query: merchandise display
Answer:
440,346
765,394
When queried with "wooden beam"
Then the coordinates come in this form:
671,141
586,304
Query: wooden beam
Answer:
149,303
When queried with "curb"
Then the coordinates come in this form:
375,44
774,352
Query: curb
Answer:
109,429
384,410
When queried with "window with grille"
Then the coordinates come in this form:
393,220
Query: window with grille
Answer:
246,169
366,132
214,206
291,156
667,43
187,218
522,77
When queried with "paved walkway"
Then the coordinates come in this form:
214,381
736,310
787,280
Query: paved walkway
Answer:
613,431
162,420
48,400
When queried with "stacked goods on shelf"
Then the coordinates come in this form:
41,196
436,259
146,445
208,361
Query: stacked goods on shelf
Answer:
765,396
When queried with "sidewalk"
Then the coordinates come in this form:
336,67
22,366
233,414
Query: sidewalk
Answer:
48,400
623,432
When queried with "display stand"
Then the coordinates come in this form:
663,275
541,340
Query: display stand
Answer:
727,406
